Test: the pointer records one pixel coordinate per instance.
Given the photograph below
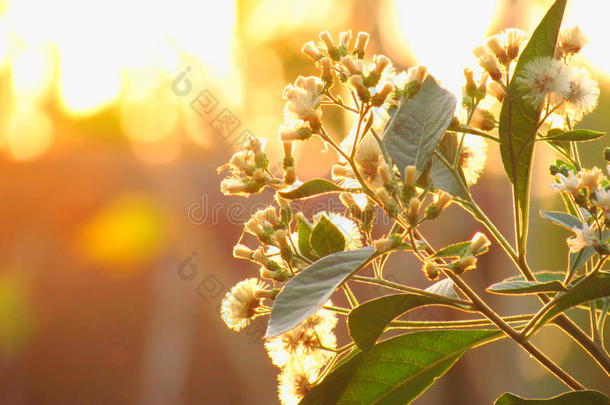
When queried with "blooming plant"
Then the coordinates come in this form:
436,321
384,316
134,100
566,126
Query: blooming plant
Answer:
412,151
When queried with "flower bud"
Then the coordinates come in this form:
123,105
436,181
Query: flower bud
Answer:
327,39
350,203
280,237
441,201
381,62
351,65
514,38
288,133
290,175
496,91
379,98
242,252
340,171
496,47
358,84
311,50
266,294
607,154
333,52
431,270
471,89
416,74
259,257
361,42
285,210
344,39
277,275
414,206
479,243
464,264
385,174
483,119
490,64
326,65
386,244
410,172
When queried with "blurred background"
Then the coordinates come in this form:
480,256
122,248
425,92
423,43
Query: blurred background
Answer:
115,243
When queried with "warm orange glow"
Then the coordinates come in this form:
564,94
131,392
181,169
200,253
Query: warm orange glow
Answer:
28,134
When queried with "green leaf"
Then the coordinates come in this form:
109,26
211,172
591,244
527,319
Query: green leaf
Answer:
306,293
526,287
563,219
368,321
455,250
444,287
577,135
304,233
440,175
417,127
397,370
518,118
550,276
588,397
311,188
586,289
326,238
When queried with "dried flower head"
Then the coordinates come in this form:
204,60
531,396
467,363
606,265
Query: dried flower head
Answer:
242,303
542,76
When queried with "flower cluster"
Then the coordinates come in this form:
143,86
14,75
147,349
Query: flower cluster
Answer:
565,91
284,242
589,190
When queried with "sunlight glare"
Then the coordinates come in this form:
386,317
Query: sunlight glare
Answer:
436,43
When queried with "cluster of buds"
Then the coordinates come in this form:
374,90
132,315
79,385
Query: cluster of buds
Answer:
499,51
465,258
248,170
273,233
474,92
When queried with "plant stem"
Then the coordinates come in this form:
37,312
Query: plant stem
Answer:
468,323
594,350
513,334
399,287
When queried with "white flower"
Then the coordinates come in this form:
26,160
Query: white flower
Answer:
582,94
584,236
592,179
349,229
303,99
473,157
295,381
542,76
570,184
602,200
242,303
302,344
